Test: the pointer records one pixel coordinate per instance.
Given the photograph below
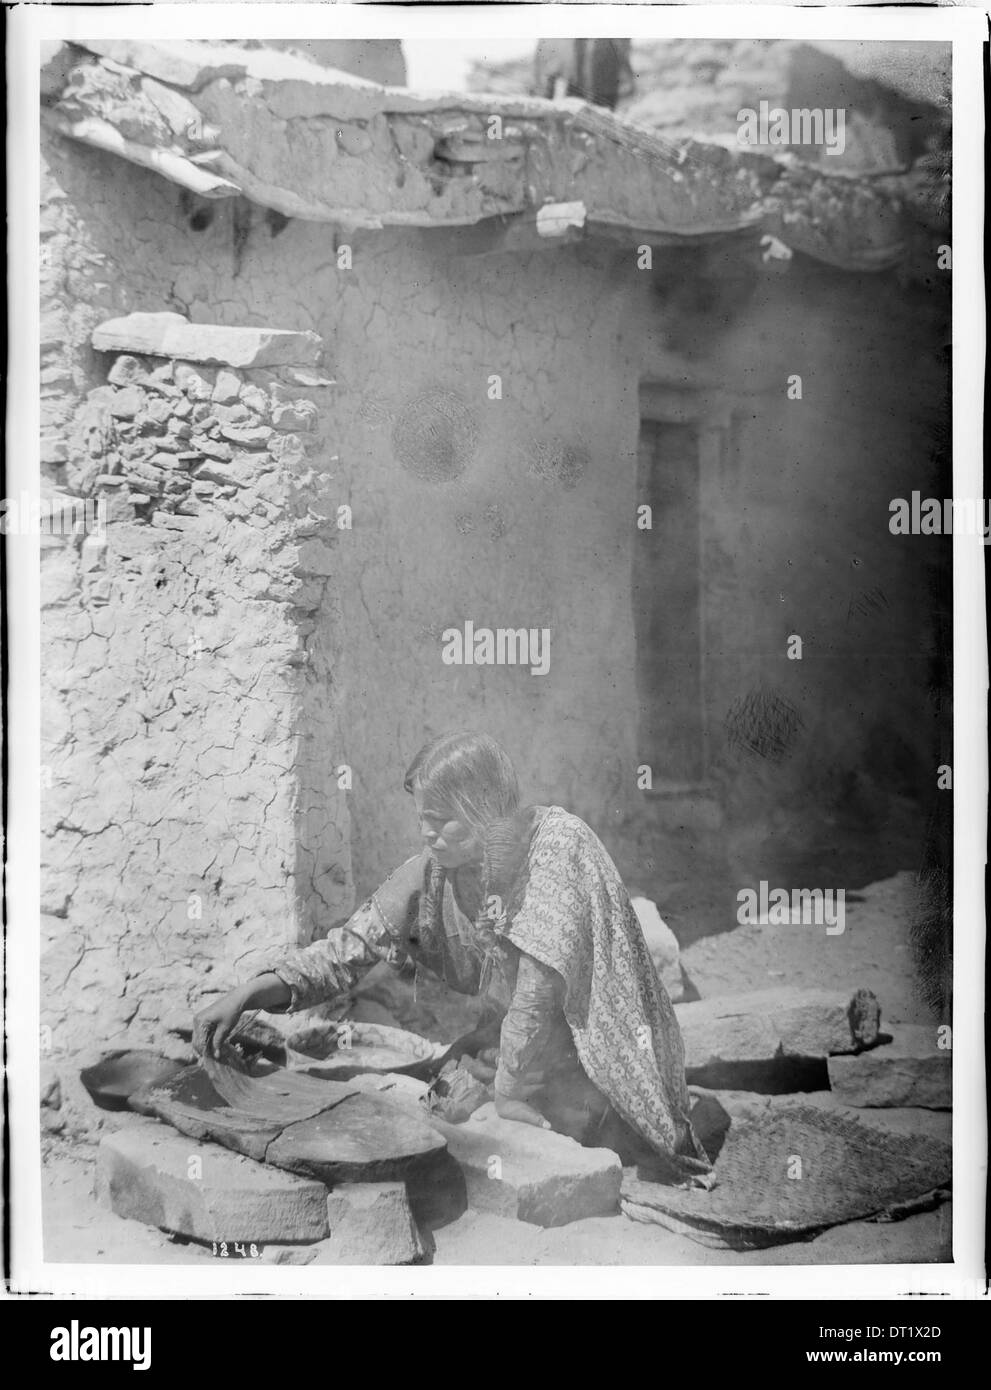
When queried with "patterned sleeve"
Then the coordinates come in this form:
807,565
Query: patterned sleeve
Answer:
527,1026
378,930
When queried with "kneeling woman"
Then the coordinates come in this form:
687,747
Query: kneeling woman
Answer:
522,905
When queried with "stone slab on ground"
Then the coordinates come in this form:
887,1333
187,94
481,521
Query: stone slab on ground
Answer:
366,1138
171,335
378,1136
149,1173
189,1103
531,1174
370,1224
776,1023
909,1071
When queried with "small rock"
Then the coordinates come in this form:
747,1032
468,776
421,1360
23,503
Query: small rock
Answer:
197,389
302,377
126,371
99,592
236,414
255,399
184,372
93,553
149,1173
173,521
287,448
54,450
157,410
218,473
370,1223
299,415
248,437
127,403
227,388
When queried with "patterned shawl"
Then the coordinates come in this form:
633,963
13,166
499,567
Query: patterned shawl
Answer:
571,911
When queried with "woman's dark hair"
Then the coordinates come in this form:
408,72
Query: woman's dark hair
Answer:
469,774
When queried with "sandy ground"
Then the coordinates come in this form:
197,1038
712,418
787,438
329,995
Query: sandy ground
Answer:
873,952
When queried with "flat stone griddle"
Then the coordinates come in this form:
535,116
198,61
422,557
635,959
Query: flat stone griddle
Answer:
274,1093
320,1128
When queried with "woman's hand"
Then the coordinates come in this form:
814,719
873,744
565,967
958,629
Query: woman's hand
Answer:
519,1110
213,1025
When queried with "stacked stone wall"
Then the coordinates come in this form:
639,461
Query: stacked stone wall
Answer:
190,824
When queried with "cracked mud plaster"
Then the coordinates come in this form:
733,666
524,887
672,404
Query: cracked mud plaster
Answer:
189,719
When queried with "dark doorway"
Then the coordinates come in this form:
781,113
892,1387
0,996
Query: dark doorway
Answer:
667,604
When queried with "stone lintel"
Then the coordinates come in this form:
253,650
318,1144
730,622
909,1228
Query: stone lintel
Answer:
173,336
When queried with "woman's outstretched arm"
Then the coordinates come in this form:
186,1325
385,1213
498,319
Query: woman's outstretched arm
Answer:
311,975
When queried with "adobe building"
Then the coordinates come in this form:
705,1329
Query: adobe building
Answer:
349,366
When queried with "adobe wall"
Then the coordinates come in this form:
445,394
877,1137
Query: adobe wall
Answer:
512,512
